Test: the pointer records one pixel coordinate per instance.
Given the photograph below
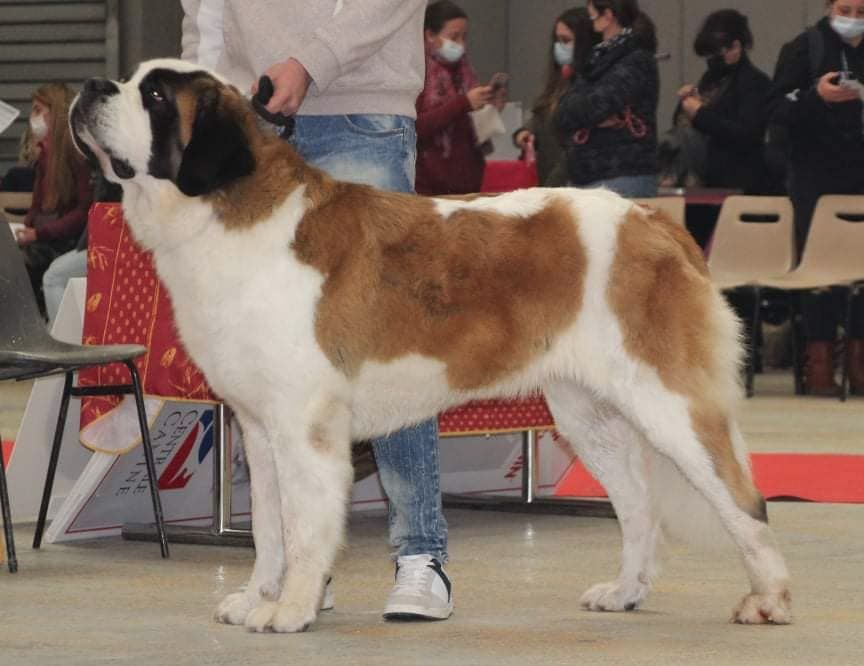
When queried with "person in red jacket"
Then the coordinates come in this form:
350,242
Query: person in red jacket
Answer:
449,161
62,191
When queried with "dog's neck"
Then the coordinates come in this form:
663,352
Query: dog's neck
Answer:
279,170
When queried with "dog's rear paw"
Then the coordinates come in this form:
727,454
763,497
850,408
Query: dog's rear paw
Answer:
614,596
282,618
764,609
235,608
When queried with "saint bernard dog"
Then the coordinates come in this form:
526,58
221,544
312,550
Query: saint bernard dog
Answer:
325,312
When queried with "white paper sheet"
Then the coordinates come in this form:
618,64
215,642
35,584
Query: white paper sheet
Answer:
8,114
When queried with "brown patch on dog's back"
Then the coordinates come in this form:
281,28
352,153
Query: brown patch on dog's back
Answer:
482,292
659,290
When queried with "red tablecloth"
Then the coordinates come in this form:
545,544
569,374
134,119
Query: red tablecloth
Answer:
509,175
126,303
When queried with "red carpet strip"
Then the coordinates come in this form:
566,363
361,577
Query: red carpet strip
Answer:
812,477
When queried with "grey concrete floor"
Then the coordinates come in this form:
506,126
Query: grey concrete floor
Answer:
517,580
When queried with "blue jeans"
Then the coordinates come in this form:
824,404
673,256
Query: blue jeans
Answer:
381,150
629,186
62,269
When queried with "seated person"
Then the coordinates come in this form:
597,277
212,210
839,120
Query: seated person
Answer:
62,190
73,264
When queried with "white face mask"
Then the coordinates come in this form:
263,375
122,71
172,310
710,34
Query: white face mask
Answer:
38,127
451,51
847,28
563,53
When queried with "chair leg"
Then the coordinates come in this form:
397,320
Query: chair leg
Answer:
753,341
7,517
797,351
847,337
52,464
148,458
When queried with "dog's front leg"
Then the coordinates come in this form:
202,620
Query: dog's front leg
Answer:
313,464
265,583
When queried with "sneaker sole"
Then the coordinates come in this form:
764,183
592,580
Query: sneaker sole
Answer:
410,613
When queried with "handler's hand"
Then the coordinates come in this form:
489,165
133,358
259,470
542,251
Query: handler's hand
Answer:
290,85
834,93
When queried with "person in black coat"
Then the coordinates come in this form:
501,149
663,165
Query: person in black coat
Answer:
822,116
609,113
718,137
728,109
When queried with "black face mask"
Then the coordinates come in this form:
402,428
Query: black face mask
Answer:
717,65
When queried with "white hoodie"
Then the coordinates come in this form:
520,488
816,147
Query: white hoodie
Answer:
364,56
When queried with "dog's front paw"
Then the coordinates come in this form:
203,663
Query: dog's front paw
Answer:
614,596
235,608
764,609
292,618
282,618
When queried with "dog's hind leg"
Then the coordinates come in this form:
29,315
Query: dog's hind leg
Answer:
266,580
613,452
313,465
701,438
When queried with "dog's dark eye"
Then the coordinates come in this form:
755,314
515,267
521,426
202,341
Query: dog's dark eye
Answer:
155,95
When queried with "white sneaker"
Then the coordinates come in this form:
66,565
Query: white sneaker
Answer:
327,597
422,591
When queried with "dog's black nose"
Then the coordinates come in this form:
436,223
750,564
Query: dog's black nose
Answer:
94,87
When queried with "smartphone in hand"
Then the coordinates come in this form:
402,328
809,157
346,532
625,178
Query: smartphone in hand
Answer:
498,81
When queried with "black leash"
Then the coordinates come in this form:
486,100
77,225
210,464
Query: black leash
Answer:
259,103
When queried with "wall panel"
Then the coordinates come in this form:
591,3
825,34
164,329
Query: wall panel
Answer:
41,41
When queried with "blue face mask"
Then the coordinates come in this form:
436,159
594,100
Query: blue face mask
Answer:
451,51
563,53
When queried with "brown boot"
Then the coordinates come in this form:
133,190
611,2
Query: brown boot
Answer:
819,369
855,363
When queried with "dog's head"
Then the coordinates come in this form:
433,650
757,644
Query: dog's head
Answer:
172,120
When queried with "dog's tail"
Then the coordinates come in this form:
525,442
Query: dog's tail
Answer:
683,510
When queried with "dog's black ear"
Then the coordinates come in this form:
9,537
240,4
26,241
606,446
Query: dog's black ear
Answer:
218,151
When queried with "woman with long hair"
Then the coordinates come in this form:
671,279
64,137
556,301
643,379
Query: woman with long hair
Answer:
62,192
569,50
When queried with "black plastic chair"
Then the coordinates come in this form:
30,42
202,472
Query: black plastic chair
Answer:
27,351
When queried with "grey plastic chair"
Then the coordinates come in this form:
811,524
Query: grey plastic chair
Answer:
833,257
753,241
673,206
27,351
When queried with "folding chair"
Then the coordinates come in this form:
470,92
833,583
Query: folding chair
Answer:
27,351
833,256
753,241
673,206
